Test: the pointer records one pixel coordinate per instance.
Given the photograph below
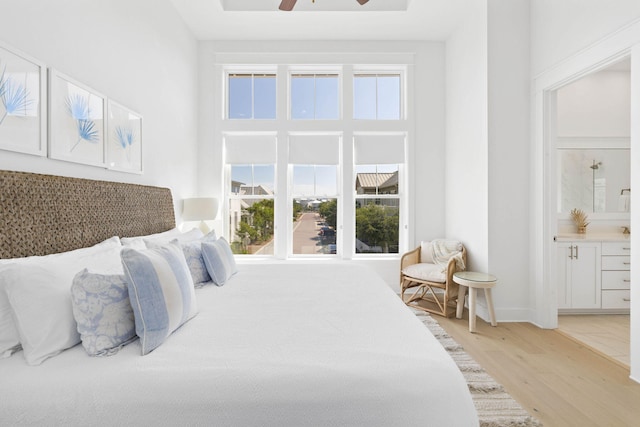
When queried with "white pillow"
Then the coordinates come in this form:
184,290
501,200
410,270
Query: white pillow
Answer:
9,337
189,236
426,254
41,303
161,292
138,241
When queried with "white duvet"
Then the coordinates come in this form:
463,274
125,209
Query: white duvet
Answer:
278,345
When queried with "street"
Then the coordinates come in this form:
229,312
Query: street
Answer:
305,235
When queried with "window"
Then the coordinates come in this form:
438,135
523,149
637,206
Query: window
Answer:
378,191
251,186
251,209
376,96
252,96
377,209
314,169
315,208
314,97
313,183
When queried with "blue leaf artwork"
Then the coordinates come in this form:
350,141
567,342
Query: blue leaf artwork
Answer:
125,137
13,95
78,109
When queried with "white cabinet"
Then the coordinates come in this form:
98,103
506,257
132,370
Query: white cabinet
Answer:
579,275
616,277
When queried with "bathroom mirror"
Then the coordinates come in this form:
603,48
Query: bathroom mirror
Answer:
594,180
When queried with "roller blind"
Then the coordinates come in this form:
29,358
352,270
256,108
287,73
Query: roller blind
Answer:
250,149
314,149
379,149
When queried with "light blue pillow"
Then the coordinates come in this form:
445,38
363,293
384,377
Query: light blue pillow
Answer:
193,254
161,292
219,260
102,311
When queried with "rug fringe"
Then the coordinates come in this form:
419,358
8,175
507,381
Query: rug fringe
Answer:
496,408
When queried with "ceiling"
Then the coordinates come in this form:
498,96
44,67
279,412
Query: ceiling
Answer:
423,20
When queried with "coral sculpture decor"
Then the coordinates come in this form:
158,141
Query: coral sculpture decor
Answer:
580,220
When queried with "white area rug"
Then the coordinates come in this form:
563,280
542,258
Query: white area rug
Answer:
496,408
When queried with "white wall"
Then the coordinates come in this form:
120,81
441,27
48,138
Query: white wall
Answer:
560,28
487,173
508,155
597,105
466,152
139,54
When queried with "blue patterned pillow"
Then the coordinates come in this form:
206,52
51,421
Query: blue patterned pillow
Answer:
193,254
102,311
161,292
219,260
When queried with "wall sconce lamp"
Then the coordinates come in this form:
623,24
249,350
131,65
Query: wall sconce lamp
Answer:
200,209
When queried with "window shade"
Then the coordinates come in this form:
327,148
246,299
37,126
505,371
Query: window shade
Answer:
379,149
314,149
250,149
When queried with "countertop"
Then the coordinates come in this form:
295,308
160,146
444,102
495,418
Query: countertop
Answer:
593,237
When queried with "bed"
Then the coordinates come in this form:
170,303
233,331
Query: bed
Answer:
280,344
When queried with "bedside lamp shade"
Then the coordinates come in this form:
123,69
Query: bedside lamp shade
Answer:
202,209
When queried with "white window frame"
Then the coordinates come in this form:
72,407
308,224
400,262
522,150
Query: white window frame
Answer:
346,125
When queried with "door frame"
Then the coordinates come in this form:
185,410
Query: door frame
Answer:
618,45
543,198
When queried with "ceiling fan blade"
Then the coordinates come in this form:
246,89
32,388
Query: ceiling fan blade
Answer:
287,5
362,1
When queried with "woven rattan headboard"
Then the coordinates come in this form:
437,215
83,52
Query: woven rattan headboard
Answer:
44,214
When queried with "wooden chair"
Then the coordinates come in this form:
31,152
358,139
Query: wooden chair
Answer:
431,289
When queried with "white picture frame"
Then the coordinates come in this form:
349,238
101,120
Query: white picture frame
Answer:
23,103
124,139
77,121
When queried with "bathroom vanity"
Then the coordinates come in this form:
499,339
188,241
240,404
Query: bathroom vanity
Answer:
593,273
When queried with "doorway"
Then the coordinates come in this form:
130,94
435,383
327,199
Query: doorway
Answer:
591,146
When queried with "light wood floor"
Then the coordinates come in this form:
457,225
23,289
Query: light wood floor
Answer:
606,333
558,380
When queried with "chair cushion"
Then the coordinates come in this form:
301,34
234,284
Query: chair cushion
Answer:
426,254
426,271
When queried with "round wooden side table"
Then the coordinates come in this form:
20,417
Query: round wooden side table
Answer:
474,281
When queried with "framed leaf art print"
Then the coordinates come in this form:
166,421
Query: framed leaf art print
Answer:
124,139
23,102
76,121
